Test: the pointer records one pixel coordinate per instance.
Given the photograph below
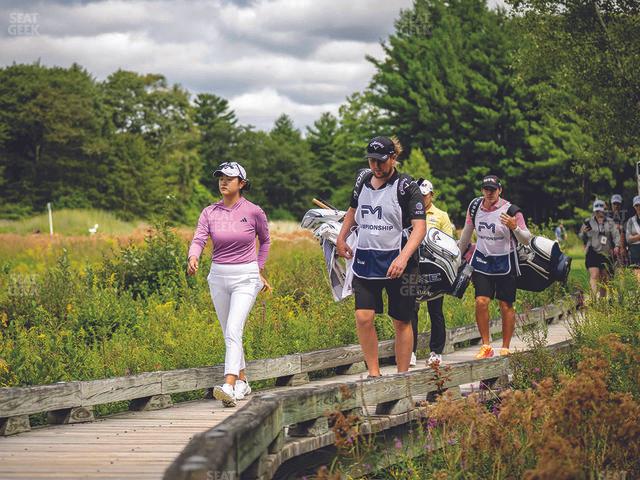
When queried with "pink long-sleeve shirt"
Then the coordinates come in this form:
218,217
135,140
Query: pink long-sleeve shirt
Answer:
233,232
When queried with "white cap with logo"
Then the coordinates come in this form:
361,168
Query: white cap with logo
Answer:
231,169
616,198
598,206
636,200
426,186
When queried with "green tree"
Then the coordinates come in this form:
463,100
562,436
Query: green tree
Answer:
416,165
157,122
219,131
52,130
590,50
449,88
359,122
321,138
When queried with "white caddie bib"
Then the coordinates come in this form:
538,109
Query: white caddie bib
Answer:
379,219
494,247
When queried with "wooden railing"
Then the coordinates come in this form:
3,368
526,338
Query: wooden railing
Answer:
254,442
73,402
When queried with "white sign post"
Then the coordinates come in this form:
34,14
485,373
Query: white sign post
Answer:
50,219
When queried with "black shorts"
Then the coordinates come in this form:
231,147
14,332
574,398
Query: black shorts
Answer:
402,293
597,260
502,287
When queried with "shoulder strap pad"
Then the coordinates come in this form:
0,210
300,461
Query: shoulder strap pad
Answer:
473,209
513,209
364,174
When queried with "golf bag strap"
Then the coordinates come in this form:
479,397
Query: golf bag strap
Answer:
473,209
364,175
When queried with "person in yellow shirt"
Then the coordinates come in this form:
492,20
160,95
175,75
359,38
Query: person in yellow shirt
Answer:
439,219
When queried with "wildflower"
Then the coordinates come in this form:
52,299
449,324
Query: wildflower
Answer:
398,443
4,366
536,370
431,423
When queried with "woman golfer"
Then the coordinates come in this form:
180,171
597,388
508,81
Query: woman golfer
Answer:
236,277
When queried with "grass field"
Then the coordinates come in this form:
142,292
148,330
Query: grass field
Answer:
71,223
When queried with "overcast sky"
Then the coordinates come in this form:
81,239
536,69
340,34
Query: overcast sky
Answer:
267,57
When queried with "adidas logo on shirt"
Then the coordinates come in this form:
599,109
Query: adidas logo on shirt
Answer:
244,219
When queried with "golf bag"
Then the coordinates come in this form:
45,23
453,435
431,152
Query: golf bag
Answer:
442,270
325,225
541,263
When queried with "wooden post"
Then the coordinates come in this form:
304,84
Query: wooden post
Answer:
354,368
311,428
67,416
292,380
278,443
155,402
394,407
13,425
257,469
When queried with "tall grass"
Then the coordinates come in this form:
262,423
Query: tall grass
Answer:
91,307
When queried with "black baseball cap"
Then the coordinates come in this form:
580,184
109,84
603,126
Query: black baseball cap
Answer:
380,148
491,181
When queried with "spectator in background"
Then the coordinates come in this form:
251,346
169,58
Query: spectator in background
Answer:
602,242
633,237
619,217
561,234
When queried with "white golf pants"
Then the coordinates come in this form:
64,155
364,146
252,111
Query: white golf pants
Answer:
234,288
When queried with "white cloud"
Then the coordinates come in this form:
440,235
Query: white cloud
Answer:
268,57
267,104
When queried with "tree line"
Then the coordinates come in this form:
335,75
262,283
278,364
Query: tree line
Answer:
546,96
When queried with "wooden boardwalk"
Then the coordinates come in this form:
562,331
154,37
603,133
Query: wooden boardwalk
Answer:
141,445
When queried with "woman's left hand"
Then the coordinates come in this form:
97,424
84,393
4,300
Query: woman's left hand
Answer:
266,285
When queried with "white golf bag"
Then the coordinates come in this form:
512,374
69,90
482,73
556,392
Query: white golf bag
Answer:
325,225
442,270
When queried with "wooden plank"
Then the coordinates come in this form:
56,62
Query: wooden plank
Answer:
96,392
310,403
189,379
330,358
268,368
262,422
16,401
